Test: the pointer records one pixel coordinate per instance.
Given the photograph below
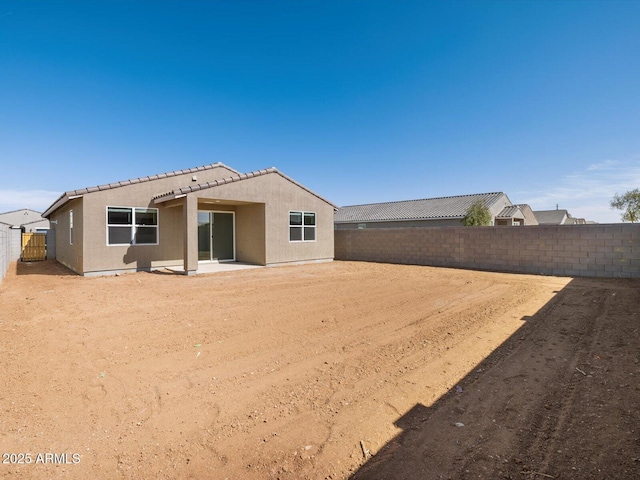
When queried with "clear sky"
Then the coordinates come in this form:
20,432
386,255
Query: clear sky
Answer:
361,101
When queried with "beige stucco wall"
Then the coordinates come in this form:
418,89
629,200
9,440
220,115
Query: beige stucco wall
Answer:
497,207
261,205
280,196
250,233
100,257
69,255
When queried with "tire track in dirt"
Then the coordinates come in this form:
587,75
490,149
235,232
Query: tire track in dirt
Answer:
527,411
549,440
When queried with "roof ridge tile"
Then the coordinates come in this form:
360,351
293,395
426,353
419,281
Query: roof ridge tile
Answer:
62,199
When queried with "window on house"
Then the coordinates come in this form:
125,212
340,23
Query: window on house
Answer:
70,227
302,226
132,226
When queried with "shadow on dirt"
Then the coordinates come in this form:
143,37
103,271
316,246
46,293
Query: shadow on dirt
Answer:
44,267
558,399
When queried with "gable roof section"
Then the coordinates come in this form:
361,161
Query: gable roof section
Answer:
551,217
181,192
425,209
71,194
22,216
2,214
512,211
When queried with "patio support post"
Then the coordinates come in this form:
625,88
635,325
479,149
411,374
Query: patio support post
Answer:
190,232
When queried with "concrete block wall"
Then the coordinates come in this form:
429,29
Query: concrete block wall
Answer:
10,246
5,249
563,250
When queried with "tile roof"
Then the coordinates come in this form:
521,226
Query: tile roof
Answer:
62,199
182,191
20,210
20,217
215,183
236,178
428,208
109,186
551,217
510,212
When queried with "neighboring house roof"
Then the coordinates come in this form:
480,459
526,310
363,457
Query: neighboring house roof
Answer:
23,216
512,211
42,223
529,217
424,209
70,195
180,192
551,217
19,211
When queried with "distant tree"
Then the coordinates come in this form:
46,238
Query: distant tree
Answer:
477,216
630,203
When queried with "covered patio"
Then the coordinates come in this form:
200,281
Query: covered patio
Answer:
218,234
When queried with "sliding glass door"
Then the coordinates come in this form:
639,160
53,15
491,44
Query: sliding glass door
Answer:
216,239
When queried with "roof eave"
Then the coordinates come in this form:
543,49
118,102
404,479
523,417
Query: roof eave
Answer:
70,195
62,199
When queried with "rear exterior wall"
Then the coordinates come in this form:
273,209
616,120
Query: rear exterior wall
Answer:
279,196
99,257
250,233
262,223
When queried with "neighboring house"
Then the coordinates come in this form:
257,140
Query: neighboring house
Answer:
516,215
430,212
178,219
557,217
28,220
577,221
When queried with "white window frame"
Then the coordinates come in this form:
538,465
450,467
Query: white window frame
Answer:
303,226
71,227
134,226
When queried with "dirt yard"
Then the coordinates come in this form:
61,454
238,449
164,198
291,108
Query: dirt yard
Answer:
328,371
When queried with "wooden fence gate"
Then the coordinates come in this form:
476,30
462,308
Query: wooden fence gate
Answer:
34,247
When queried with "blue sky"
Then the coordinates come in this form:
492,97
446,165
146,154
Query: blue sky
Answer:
361,101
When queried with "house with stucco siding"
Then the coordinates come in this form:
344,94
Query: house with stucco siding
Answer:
189,217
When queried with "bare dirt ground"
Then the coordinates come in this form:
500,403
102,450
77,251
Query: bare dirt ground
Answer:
341,370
